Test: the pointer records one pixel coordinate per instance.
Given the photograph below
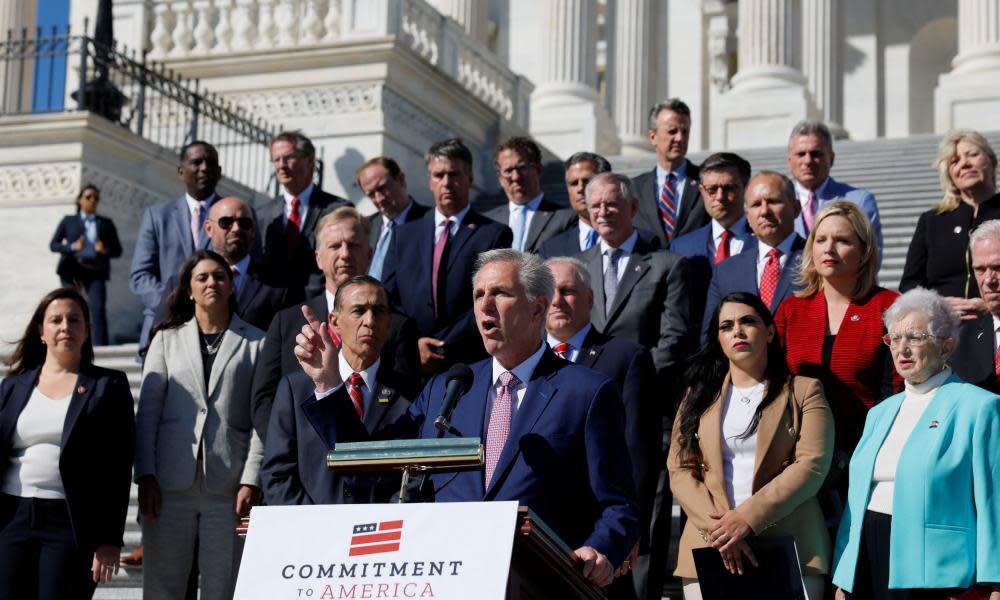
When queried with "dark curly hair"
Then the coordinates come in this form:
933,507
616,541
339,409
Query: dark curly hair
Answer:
30,351
707,369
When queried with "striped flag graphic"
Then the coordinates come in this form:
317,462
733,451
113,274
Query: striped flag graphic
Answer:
376,538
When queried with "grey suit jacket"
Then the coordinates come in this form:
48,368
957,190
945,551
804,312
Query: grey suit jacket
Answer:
548,221
651,306
177,414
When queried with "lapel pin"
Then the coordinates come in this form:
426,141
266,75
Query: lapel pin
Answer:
593,352
471,225
81,390
384,395
958,229
791,431
638,268
855,317
979,335
934,424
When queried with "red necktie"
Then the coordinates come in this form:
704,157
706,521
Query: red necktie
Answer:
354,384
769,279
996,359
667,206
562,350
333,335
722,252
442,241
294,226
496,435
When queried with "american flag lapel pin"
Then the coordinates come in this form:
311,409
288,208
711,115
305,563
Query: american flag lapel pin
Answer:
934,424
81,390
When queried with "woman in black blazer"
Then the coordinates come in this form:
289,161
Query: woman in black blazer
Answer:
86,256
67,436
938,257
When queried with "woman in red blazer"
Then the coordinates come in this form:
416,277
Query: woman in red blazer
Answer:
832,329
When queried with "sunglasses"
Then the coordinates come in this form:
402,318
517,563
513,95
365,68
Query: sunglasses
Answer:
227,222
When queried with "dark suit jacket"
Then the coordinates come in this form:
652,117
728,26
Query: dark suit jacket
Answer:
260,298
973,356
739,274
937,258
692,214
407,277
303,274
399,356
549,220
417,211
651,307
566,243
98,446
302,431
697,247
163,244
98,267
630,366
565,456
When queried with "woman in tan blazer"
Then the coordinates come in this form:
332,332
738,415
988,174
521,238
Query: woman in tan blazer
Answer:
197,452
751,447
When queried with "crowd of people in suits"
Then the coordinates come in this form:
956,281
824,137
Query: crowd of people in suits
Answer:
700,333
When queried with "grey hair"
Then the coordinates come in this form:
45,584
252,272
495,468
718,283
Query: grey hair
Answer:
673,105
816,128
576,265
988,230
623,182
534,276
942,320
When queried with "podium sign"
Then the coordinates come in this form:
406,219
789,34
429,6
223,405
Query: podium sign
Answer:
367,551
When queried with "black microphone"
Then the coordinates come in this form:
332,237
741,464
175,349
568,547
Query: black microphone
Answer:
458,381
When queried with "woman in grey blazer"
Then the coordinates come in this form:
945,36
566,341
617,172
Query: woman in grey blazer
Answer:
197,452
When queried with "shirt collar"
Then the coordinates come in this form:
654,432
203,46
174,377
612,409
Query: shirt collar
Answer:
329,305
785,246
192,203
717,229
367,374
91,218
802,192
457,219
531,205
575,340
584,227
304,196
680,173
626,247
401,217
522,371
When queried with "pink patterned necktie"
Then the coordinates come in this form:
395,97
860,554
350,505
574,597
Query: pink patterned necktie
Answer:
769,278
809,211
442,241
496,435
199,208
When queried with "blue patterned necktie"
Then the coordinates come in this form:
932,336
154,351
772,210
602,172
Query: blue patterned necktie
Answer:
381,249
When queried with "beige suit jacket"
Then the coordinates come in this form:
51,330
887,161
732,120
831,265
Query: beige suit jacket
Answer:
794,450
177,415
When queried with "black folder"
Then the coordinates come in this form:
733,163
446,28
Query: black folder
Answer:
778,576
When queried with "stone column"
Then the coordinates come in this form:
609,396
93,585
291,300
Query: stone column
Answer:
769,93
566,114
630,78
15,85
821,59
969,96
472,15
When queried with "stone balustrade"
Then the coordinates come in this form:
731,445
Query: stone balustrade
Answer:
187,30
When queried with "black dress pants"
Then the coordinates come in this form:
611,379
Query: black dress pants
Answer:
39,558
871,578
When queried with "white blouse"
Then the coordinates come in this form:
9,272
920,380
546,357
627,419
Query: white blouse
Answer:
33,471
739,455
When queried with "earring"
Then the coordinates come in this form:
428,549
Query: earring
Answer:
43,341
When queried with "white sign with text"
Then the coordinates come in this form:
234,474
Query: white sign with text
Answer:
448,551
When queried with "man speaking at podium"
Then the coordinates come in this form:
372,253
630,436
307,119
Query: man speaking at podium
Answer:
553,430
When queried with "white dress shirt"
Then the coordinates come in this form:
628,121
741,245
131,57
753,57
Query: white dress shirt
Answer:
523,372
996,334
368,375
735,243
575,342
627,247
680,178
763,249
584,230
456,222
303,196
739,455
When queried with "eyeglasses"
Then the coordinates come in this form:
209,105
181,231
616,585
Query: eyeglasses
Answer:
727,190
227,222
914,339
520,169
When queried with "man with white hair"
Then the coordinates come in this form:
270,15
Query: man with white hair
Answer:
977,355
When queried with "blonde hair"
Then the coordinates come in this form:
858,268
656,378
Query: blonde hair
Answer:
811,281
946,152
343,213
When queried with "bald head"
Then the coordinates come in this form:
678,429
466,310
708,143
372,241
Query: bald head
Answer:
231,228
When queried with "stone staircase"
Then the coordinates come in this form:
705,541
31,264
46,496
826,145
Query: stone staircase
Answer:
899,172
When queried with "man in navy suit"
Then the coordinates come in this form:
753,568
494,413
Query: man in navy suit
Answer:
974,359
669,202
629,365
810,158
288,221
428,270
303,430
531,216
723,179
384,183
170,231
580,169
771,210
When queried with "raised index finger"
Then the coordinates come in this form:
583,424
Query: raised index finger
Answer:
314,323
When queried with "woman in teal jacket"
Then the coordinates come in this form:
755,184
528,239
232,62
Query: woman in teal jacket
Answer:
923,506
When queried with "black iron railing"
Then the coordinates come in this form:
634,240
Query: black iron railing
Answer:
66,72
